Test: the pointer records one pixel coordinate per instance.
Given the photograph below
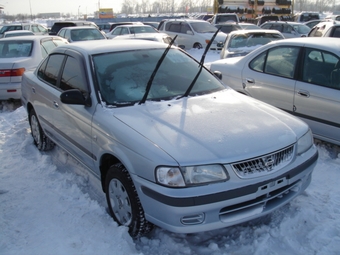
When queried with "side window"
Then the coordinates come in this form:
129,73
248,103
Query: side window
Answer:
26,27
52,69
257,63
173,27
336,32
117,31
35,29
287,28
73,76
41,29
277,27
185,28
124,31
62,33
321,68
266,26
281,61
47,47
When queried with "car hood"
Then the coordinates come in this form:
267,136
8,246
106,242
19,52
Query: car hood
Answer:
220,127
219,37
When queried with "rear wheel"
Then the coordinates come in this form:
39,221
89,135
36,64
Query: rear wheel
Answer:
123,201
42,142
198,46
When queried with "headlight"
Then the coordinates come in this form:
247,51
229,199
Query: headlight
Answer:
190,175
305,142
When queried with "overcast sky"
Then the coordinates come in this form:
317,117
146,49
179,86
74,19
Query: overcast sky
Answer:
13,7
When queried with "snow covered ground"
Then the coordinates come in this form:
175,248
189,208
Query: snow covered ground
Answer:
49,204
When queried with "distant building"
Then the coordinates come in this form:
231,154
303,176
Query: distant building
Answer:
55,15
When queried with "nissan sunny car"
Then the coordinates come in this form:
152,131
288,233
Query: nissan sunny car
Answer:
171,144
300,76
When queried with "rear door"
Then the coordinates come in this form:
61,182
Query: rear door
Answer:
317,95
269,76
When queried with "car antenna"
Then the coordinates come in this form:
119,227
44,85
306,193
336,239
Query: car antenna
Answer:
148,86
187,92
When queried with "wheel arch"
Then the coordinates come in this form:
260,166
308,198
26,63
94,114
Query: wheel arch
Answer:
106,161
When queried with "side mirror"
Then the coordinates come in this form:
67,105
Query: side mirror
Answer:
75,96
220,44
218,74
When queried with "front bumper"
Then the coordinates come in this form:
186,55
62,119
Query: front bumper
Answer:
180,211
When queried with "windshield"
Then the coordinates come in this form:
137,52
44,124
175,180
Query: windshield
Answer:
123,76
15,49
203,27
245,41
302,29
86,34
142,29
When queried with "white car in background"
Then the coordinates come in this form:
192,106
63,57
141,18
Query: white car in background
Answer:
241,42
17,33
18,54
192,33
157,37
130,29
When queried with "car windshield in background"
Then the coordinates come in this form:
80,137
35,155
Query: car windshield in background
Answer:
14,49
203,27
251,40
302,29
86,34
123,76
143,29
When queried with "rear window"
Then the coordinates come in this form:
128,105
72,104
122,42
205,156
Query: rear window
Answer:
15,49
10,28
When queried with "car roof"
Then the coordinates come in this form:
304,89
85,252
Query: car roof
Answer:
253,31
18,31
134,25
327,43
188,20
32,38
78,28
93,47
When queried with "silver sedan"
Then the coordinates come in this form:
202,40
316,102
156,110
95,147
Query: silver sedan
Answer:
300,76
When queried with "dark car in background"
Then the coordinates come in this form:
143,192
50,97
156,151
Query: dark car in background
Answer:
60,24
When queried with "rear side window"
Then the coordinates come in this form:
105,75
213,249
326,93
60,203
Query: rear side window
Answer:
48,45
49,70
280,61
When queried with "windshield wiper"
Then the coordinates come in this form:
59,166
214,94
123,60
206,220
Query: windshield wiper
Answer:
148,86
187,92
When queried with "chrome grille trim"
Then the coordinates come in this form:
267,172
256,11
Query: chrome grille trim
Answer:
264,164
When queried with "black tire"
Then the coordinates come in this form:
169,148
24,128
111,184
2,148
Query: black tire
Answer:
42,142
123,201
198,46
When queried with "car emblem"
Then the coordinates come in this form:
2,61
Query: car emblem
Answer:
269,162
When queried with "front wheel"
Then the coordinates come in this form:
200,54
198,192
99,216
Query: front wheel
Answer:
198,46
42,142
123,201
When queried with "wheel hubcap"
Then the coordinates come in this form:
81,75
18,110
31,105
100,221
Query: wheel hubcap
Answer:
35,129
120,202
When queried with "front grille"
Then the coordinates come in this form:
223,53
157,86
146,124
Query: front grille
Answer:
262,165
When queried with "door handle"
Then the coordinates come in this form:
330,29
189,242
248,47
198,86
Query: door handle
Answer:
56,105
303,93
250,80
